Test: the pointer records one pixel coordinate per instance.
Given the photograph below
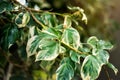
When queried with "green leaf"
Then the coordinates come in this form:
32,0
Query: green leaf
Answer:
104,45
98,45
92,41
67,22
55,32
22,19
91,68
102,57
32,45
69,61
113,67
75,57
49,20
34,42
32,31
79,12
85,48
5,6
9,35
62,49
84,17
32,21
51,33
49,50
59,27
65,72
92,65
71,37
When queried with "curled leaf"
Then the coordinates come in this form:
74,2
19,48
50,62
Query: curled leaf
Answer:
22,19
67,22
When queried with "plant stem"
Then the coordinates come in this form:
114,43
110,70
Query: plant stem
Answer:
37,20
8,75
70,47
30,11
37,11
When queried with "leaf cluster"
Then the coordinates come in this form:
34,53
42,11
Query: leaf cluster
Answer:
53,39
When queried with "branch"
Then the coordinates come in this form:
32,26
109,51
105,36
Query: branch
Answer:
37,21
70,47
33,10
37,11
8,75
30,11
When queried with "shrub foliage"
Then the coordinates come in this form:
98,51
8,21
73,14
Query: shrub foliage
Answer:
53,40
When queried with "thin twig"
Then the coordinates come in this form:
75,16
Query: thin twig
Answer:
37,11
37,20
30,11
8,75
70,47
